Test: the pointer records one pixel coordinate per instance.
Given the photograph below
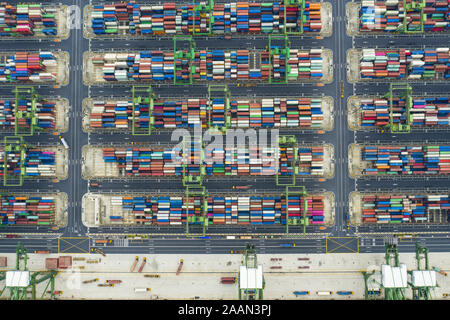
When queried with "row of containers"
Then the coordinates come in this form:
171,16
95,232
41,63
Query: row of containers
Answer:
34,67
398,16
242,112
399,160
396,207
34,20
432,64
213,209
227,18
33,162
225,208
31,209
371,112
304,161
48,114
291,65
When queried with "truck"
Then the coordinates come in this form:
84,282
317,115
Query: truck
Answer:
136,290
301,293
64,142
287,245
440,271
42,251
231,237
241,187
90,281
324,293
152,276
228,280
275,267
12,236
344,293
246,237
106,285
142,265
180,266
100,252
114,281
206,237
134,264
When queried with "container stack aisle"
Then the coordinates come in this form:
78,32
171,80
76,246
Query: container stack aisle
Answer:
388,17
133,19
281,113
366,113
368,208
33,21
207,66
221,209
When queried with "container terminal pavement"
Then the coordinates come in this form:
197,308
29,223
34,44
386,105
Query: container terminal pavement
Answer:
349,201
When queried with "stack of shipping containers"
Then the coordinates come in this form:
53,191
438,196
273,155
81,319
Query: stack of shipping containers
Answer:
408,154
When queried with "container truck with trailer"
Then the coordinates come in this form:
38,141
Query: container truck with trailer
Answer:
324,293
180,266
301,293
228,280
287,245
134,264
142,265
345,293
138,290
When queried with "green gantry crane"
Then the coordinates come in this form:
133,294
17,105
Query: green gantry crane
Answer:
187,178
199,11
25,93
417,6
280,48
142,96
20,293
219,92
13,145
183,57
404,92
297,221
250,262
391,258
286,141
191,217
302,18
421,293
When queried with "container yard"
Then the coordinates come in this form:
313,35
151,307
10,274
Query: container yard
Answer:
370,17
133,19
37,163
399,160
208,66
41,68
156,162
284,113
33,209
430,64
371,113
34,21
221,209
411,207
51,114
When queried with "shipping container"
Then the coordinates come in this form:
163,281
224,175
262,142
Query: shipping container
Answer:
32,20
389,16
233,18
404,208
404,64
277,112
425,112
208,66
27,210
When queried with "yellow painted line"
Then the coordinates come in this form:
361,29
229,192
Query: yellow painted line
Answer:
76,245
342,245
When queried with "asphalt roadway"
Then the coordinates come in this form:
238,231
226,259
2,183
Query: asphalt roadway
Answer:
367,238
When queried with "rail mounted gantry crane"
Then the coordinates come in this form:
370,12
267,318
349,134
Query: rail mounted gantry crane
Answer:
279,46
417,6
300,5
251,290
142,95
403,91
21,292
219,93
25,93
201,10
13,145
185,56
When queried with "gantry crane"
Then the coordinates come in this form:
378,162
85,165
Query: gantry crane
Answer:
13,146
219,93
20,292
300,5
279,46
404,90
142,95
391,259
417,6
25,93
421,292
201,10
186,57
251,268
193,217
